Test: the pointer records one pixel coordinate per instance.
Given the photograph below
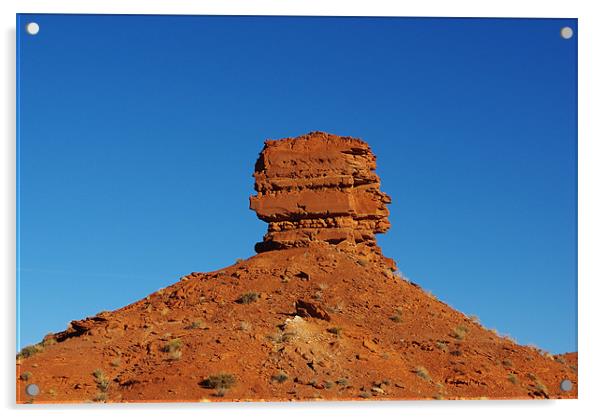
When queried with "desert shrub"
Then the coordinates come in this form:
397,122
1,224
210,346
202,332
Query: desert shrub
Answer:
422,372
441,345
338,331
459,332
172,345
342,381
513,378
396,317
173,349
540,387
280,377
322,286
30,350
197,325
219,381
281,337
337,308
102,382
507,362
244,326
48,340
220,393
247,298
100,397
25,376
328,384
116,362
365,395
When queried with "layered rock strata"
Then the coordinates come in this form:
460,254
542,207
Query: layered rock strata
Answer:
318,187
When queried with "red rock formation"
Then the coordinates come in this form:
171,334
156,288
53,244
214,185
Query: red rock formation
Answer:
318,187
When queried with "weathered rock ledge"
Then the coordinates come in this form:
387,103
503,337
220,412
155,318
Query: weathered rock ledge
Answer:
318,187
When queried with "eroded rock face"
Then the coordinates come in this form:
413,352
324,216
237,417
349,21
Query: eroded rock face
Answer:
318,187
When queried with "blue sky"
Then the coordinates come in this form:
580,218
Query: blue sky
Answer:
138,136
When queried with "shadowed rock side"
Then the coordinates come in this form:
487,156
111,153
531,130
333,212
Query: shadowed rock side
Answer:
322,316
318,187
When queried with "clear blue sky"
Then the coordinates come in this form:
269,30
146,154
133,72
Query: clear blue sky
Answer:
138,136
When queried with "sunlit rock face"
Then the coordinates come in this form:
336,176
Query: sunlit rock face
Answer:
318,187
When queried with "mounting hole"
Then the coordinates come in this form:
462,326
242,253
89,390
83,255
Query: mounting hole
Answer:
566,385
32,28
566,32
32,390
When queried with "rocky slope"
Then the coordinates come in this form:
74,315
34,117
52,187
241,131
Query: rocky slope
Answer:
317,314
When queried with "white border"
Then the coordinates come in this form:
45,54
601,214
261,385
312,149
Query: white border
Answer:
590,207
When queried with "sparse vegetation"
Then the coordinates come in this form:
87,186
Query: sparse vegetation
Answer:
30,350
220,393
396,317
219,381
474,319
280,377
337,308
342,382
459,332
507,362
338,331
102,382
441,345
365,395
281,337
402,276
512,377
239,260
244,326
430,294
48,340
100,397
422,372
328,384
25,376
172,345
540,387
173,348
116,362
198,324
247,298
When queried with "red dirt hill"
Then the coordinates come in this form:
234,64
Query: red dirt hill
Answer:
319,313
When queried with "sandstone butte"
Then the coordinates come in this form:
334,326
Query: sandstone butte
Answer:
318,314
